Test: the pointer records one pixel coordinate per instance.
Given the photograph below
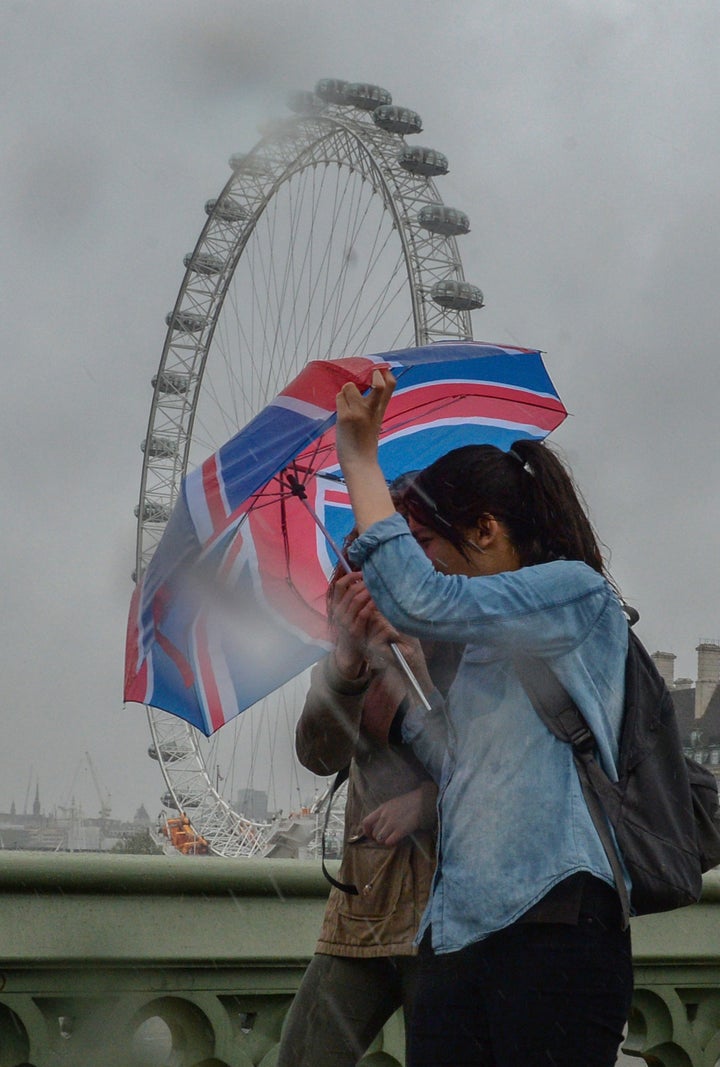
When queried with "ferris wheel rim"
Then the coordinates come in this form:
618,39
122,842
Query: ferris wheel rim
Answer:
192,324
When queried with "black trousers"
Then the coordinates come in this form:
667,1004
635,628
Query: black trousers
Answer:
533,995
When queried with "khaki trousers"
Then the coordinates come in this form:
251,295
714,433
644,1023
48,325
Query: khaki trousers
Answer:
341,1005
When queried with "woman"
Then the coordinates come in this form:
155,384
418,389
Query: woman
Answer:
524,958
365,963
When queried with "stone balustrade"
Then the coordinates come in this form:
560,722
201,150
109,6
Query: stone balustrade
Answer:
150,961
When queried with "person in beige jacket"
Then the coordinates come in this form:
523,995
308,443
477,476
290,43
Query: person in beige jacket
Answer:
364,966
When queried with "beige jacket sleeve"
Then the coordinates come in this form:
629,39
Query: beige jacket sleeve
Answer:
327,732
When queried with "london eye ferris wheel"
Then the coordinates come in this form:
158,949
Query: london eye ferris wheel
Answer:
329,239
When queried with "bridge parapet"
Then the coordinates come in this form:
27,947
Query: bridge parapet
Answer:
140,961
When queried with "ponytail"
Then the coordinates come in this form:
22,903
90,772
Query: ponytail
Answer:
562,527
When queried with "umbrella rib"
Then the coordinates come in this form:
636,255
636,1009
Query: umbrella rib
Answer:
285,537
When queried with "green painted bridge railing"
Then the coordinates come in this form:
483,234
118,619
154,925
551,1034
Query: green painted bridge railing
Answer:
130,961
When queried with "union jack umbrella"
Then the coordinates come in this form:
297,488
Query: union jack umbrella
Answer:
232,604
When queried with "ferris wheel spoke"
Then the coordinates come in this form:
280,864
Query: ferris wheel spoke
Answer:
353,222
206,434
327,332
317,301
301,246
372,316
308,269
334,297
377,308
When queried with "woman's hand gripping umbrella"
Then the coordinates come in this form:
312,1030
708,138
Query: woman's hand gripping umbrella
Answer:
359,420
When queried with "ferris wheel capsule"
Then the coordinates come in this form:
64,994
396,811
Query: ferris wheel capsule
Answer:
275,127
171,382
332,90
426,162
203,263
457,295
305,103
248,163
185,321
397,119
440,219
153,512
226,209
168,753
365,96
159,447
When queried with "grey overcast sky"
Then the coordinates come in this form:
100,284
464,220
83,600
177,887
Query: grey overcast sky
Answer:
583,143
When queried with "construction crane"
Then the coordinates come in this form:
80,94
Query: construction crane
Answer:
104,798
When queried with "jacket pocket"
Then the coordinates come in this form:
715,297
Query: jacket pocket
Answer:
377,873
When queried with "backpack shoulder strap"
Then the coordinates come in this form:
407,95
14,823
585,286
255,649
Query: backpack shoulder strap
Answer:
553,704
557,709
344,887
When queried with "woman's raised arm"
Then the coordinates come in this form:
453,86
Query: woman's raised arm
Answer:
359,419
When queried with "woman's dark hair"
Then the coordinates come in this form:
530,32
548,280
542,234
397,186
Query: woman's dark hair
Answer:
528,489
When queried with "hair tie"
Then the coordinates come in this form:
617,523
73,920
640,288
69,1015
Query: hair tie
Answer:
523,463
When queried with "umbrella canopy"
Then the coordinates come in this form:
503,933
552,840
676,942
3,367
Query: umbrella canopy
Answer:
232,604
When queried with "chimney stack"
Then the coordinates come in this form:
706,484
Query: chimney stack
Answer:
665,663
708,675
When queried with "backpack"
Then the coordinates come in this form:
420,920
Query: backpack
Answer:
663,809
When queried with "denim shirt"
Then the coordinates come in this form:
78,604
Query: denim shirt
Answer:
513,821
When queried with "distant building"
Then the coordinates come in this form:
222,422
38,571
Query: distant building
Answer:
253,804
65,830
697,703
